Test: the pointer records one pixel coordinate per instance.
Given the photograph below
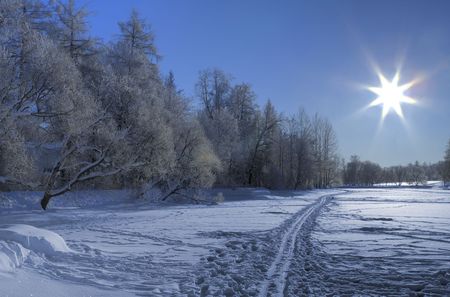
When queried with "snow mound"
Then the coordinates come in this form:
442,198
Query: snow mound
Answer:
35,239
12,255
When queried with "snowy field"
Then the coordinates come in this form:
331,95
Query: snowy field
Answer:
383,242
356,242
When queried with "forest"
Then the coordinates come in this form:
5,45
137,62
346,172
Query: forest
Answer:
79,113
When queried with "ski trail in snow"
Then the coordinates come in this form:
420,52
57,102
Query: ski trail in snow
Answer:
277,274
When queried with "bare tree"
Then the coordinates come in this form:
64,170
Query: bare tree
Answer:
213,88
446,165
261,146
324,152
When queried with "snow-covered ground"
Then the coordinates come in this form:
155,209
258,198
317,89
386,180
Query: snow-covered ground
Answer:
427,184
392,242
363,242
136,249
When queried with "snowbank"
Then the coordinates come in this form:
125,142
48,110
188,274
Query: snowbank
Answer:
35,239
12,255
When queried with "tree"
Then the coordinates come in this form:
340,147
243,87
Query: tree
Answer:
297,139
370,173
217,119
213,88
16,165
241,104
400,174
19,21
416,174
222,132
196,165
446,165
78,114
87,146
174,101
352,171
47,107
261,146
72,29
324,152
136,44
131,91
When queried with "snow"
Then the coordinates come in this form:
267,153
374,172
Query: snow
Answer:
257,243
12,255
396,237
25,283
427,184
35,239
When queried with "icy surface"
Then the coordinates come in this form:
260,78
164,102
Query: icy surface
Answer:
356,242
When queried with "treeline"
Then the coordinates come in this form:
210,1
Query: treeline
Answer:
260,147
366,173
76,112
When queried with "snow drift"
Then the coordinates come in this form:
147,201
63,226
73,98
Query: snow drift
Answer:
12,255
35,239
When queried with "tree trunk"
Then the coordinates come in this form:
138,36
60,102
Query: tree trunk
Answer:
45,200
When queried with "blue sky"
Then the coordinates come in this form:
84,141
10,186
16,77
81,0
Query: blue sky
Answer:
318,55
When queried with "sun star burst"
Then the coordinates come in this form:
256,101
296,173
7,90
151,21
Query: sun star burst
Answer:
391,95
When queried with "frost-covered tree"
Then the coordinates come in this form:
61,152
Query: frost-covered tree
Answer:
299,156
52,113
16,165
258,161
353,171
71,31
416,174
324,146
79,114
213,89
155,116
131,90
196,165
241,104
18,21
222,132
446,165
370,173
175,102
136,43
217,119
85,144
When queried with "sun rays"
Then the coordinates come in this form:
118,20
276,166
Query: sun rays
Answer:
391,95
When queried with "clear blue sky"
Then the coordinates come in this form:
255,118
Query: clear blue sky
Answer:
316,55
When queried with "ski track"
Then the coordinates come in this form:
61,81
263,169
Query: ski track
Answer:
259,263
278,271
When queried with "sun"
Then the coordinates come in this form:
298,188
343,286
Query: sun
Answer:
391,95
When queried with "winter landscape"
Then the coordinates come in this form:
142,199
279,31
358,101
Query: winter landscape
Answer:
224,148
